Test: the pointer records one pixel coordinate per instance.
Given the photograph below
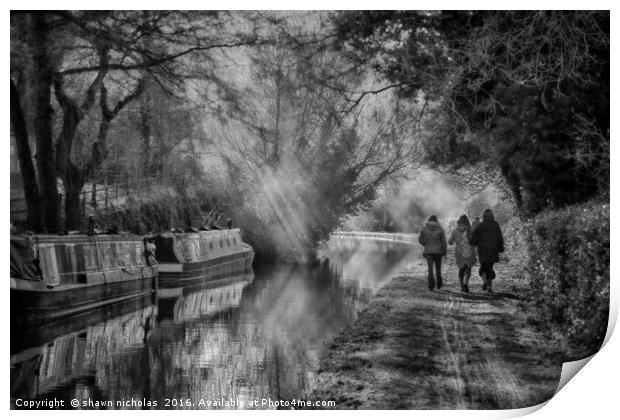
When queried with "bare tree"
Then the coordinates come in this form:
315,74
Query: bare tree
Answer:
320,156
83,56
31,188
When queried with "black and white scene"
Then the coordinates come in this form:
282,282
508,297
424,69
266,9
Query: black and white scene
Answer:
306,210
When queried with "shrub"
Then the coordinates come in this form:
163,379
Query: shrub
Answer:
569,273
515,232
166,210
156,214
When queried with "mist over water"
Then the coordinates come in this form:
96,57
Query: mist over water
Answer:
405,205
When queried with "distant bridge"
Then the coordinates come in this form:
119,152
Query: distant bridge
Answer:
400,238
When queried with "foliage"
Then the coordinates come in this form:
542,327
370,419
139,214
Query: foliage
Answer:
524,91
154,215
569,269
134,94
299,161
477,205
96,63
160,209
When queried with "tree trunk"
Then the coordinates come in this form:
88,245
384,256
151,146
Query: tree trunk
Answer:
70,175
73,189
41,77
275,157
29,176
73,181
72,209
514,183
145,126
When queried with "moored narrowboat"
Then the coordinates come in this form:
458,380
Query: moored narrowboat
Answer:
194,258
55,276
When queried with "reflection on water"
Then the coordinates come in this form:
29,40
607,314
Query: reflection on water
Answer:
75,364
249,337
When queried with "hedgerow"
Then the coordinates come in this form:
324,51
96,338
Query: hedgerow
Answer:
569,274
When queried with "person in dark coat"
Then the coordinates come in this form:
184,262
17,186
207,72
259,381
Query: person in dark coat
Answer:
433,238
475,224
489,242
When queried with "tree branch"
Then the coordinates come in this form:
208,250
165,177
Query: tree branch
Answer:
159,61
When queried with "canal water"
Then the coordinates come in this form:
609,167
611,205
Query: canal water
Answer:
255,336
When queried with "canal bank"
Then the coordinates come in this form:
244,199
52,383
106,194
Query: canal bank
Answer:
410,348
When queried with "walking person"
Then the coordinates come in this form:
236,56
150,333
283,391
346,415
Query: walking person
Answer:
488,240
475,224
463,251
433,239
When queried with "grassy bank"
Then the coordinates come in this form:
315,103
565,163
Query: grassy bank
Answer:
415,349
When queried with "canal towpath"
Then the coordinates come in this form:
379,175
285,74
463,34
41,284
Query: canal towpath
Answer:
411,348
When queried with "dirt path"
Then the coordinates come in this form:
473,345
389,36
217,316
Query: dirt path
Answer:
416,349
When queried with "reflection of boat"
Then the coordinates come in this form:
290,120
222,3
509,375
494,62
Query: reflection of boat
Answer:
82,356
201,257
184,304
35,335
54,276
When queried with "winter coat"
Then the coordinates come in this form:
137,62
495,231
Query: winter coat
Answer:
433,238
488,239
463,251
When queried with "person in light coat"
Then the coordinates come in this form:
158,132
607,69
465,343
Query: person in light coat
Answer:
464,252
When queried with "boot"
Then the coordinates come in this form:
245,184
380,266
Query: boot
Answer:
461,283
484,281
431,284
439,283
466,283
489,289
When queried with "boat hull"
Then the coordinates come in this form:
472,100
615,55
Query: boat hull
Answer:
203,272
39,306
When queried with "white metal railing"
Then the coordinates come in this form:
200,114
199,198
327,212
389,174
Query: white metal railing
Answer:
406,238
